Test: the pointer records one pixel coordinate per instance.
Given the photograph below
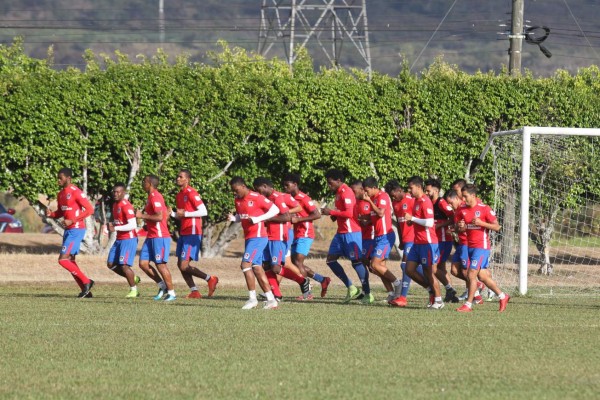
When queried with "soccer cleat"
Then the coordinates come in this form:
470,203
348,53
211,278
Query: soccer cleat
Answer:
464,296
161,293
170,298
305,286
431,300
352,293
212,285
324,286
399,302
360,296
451,296
137,279
250,304
271,305
133,293
480,286
464,308
390,298
86,289
305,296
367,299
503,303
478,300
194,294
437,306
88,296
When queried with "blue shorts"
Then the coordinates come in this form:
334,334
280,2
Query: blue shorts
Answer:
253,250
188,247
72,239
406,249
289,242
445,250
479,258
301,246
424,254
461,256
275,252
348,245
368,245
156,249
122,252
382,247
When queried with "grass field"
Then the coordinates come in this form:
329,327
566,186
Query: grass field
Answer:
56,346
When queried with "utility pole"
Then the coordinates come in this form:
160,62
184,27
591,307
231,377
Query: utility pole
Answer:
516,37
161,20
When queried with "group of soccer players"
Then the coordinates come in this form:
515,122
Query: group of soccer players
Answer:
278,232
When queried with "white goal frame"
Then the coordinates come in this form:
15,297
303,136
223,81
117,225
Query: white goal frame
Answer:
526,133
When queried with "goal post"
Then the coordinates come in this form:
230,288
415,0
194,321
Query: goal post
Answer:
563,162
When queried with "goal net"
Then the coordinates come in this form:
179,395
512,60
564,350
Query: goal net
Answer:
547,198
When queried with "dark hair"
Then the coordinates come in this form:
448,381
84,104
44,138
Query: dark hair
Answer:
154,180
370,182
187,173
66,172
357,182
434,182
452,194
261,180
470,188
120,184
291,178
416,181
236,181
335,174
392,186
460,182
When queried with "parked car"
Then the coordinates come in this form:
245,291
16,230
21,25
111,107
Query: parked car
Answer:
8,223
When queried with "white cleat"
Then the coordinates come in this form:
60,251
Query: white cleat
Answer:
464,296
437,306
271,305
250,304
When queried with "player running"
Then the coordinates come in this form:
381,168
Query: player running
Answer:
157,245
190,210
347,241
74,208
122,253
477,219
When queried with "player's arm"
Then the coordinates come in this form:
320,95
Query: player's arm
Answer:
490,223
296,210
444,223
129,226
282,217
150,217
200,211
426,222
271,212
347,211
313,215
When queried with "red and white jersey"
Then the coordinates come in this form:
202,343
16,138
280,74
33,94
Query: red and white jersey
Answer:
189,200
154,205
278,230
304,229
74,205
442,212
364,208
478,237
290,202
462,236
383,225
423,209
252,205
122,212
345,201
406,232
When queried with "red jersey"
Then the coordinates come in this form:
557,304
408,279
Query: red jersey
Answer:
290,202
73,205
462,236
252,205
442,212
189,200
478,237
154,205
122,212
423,209
362,208
304,229
345,201
278,230
406,232
383,225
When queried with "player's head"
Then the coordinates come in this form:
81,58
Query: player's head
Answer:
395,190
64,177
358,189
263,186
457,185
238,187
371,186
290,183
432,188
119,191
469,192
453,198
415,186
150,182
335,179
183,177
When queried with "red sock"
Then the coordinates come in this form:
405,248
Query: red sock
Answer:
286,273
273,282
72,267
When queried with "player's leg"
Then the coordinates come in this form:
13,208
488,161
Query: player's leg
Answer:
271,272
352,249
71,242
486,277
442,274
277,251
430,270
334,253
413,261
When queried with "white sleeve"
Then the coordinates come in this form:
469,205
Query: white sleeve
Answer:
234,218
200,212
426,222
131,225
273,211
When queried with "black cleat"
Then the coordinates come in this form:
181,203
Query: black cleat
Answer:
451,296
305,286
86,290
360,296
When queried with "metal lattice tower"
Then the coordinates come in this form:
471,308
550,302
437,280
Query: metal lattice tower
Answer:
329,23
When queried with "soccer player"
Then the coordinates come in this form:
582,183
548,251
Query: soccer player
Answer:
477,219
304,233
252,209
157,245
276,249
385,237
122,253
190,210
425,249
443,215
362,213
347,241
74,208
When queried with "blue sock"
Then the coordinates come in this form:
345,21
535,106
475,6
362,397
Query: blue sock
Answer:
339,272
363,275
318,278
405,280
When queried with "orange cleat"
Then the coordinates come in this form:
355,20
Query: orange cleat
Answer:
324,286
194,294
399,301
464,308
212,285
503,303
